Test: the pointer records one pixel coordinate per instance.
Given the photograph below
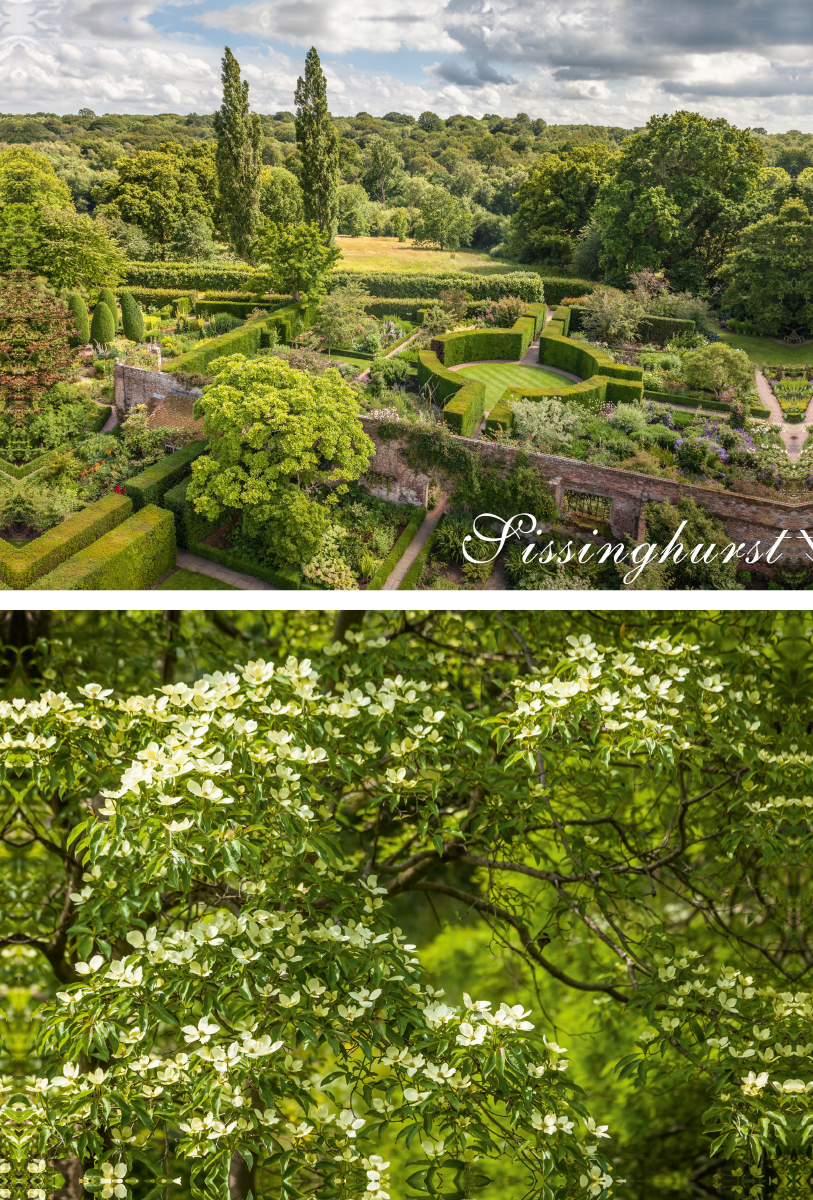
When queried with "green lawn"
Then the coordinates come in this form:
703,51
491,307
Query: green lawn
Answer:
766,352
184,580
498,376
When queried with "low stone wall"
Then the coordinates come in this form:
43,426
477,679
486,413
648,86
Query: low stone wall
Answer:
747,519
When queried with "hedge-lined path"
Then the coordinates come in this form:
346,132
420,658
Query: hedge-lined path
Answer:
237,579
395,350
425,529
793,435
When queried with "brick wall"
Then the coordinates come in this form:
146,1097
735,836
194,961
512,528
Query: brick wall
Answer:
747,519
138,385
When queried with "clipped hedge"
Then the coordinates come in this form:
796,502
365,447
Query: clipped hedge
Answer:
579,359
131,557
684,401
651,328
660,329
475,345
189,526
21,567
162,297
556,288
29,468
397,552
406,285
149,486
237,308
185,277
288,321
562,314
465,397
289,579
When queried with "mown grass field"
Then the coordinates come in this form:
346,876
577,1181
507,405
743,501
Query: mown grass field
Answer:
184,580
388,254
764,352
498,376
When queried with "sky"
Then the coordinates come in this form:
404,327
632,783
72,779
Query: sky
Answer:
606,62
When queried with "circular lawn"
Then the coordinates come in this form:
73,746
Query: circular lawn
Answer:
499,376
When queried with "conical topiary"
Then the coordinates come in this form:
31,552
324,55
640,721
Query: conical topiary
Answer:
79,312
131,318
108,297
103,326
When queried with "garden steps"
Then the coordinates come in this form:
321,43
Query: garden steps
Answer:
425,530
238,579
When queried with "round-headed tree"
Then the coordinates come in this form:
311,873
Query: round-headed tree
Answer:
79,312
678,198
318,145
275,435
103,326
770,274
131,319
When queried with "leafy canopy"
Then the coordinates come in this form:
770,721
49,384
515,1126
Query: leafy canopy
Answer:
295,259
615,809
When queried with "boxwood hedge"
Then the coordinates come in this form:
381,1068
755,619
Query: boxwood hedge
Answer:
131,557
21,567
149,486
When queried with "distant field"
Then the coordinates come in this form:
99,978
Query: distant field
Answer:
388,254
498,376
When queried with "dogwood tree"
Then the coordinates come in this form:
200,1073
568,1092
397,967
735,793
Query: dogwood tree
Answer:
236,1005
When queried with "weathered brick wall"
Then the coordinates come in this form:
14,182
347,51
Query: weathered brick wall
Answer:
747,519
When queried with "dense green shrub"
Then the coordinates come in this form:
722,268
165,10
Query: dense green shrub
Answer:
103,326
150,485
663,520
79,312
131,319
131,557
388,372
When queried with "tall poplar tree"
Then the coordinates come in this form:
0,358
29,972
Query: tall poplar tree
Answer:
318,146
238,158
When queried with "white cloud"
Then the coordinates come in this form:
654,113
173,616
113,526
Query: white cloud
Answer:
598,61
338,25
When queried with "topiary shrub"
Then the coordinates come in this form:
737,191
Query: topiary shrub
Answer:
108,296
131,319
103,326
79,312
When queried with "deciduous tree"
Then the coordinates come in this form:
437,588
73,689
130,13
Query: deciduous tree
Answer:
678,198
295,259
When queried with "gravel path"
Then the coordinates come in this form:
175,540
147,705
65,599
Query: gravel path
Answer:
794,435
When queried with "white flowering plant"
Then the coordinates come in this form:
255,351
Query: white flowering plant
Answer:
232,985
